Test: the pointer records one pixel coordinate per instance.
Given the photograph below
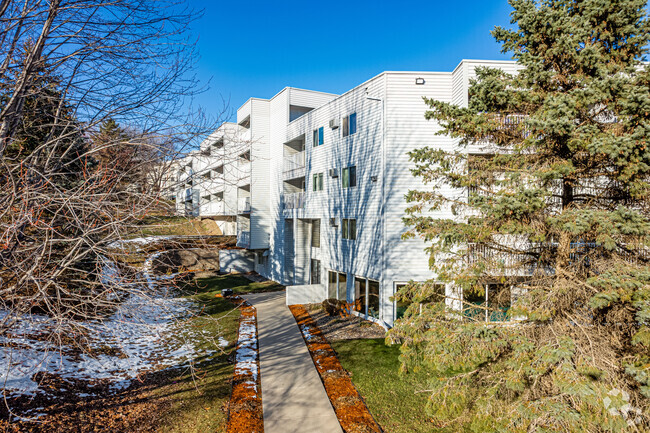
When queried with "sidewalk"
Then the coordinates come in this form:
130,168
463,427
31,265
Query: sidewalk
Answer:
293,397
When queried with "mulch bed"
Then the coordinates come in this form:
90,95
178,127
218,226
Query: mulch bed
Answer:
245,409
350,408
344,326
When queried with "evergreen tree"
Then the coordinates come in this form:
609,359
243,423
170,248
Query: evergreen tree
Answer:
553,231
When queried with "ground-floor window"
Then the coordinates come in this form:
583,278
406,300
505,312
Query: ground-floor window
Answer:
373,299
315,271
337,285
438,295
331,284
343,286
491,304
360,295
366,297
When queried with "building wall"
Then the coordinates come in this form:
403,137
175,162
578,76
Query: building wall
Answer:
390,123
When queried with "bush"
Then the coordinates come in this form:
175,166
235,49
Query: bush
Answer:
332,306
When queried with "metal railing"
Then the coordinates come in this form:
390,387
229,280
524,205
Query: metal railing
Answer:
294,201
294,165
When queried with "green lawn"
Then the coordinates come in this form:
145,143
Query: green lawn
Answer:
390,396
197,401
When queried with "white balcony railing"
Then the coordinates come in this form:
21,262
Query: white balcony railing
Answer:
243,239
244,205
294,165
294,201
214,208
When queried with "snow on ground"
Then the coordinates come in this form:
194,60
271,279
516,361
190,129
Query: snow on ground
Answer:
141,335
139,242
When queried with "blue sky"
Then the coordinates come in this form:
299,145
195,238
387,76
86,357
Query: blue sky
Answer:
257,48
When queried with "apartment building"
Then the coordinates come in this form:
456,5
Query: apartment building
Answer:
314,184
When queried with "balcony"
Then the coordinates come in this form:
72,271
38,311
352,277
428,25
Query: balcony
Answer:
295,200
243,239
214,208
244,205
294,165
189,195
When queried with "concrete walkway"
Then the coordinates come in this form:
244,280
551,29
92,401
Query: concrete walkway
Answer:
293,396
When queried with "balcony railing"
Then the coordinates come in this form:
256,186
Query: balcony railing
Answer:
294,201
244,205
243,239
214,208
294,165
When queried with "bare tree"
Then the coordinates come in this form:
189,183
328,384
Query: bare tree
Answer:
70,188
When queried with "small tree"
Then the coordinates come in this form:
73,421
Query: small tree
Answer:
553,225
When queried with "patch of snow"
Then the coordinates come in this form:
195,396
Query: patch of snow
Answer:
141,329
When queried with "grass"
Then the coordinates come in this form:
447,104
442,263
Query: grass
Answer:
390,396
197,401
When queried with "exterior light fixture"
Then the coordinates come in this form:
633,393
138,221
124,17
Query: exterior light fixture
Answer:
419,81
373,178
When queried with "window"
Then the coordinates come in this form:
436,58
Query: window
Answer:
438,295
489,303
343,286
337,286
318,182
349,229
319,136
315,271
349,177
373,299
315,233
360,295
332,284
349,124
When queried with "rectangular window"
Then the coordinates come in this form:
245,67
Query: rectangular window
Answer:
331,285
489,303
318,182
315,233
318,136
373,299
343,286
349,126
349,177
360,295
349,228
400,306
315,271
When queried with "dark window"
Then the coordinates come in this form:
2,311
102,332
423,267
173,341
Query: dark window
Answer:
318,136
360,295
349,229
315,271
343,286
315,233
349,124
349,177
353,123
373,299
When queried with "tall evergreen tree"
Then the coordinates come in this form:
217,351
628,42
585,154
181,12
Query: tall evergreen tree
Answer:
553,231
